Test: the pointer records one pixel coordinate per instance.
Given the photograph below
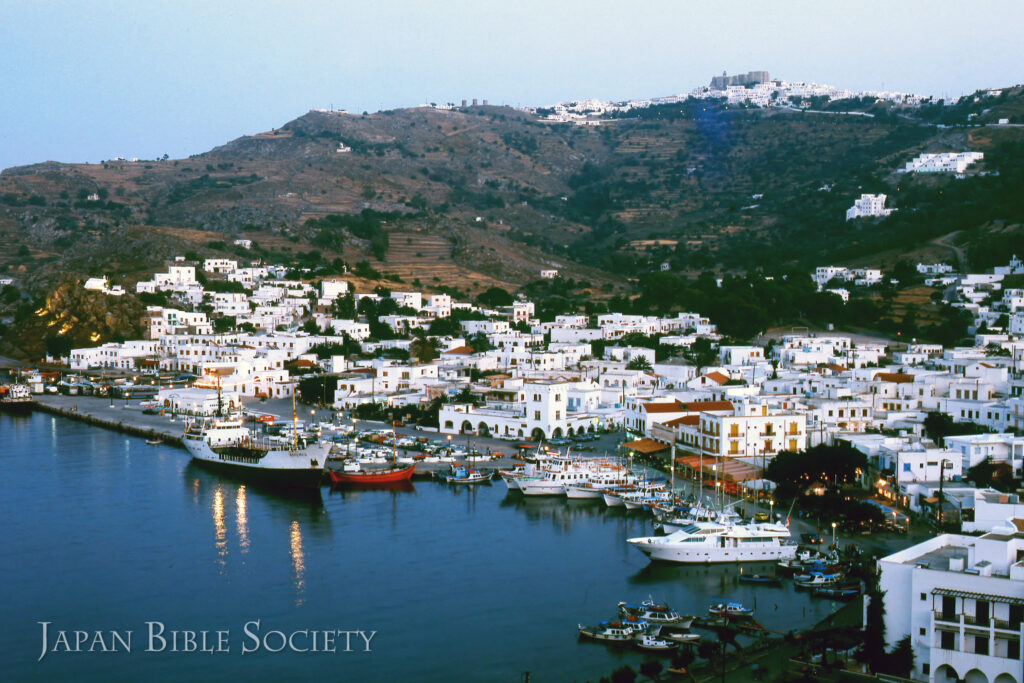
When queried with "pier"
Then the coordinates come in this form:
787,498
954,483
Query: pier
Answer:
119,415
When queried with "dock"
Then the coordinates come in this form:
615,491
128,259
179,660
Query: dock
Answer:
117,415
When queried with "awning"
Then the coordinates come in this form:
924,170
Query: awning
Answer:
1009,599
645,446
932,500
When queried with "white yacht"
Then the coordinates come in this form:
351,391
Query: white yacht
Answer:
708,542
604,477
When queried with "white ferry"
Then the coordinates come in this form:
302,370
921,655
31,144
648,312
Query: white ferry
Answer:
228,445
712,542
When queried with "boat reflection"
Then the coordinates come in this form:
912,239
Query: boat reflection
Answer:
563,512
353,490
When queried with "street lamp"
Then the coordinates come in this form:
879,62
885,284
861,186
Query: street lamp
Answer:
771,505
833,534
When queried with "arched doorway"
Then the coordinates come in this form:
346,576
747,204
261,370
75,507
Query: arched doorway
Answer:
1004,678
482,429
557,434
537,434
975,676
569,432
467,427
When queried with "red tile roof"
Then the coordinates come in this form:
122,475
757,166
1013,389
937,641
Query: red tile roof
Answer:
897,377
460,351
692,420
717,377
707,406
674,407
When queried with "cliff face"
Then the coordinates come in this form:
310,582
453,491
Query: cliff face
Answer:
72,317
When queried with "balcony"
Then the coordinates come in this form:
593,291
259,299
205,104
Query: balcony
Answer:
941,617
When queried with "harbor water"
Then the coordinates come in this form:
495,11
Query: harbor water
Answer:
103,532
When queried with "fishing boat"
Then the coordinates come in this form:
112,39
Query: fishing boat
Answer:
655,613
16,398
464,475
652,641
729,610
387,475
614,631
763,579
816,580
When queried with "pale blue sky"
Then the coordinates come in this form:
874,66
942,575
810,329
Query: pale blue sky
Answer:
84,81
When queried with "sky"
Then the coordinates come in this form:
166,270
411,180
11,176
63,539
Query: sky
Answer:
86,81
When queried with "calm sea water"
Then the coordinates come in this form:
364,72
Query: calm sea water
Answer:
103,532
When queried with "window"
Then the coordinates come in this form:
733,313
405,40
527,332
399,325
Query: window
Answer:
947,640
536,415
921,631
924,596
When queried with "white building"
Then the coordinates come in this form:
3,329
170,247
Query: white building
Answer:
867,206
960,599
944,162
220,265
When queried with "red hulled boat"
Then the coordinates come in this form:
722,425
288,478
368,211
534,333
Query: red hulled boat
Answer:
387,476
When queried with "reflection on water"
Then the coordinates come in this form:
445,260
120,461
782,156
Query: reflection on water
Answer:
221,531
298,563
538,567
241,520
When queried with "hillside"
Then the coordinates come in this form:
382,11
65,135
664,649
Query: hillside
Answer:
471,198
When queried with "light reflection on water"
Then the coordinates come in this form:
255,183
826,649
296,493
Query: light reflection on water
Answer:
241,520
505,578
298,562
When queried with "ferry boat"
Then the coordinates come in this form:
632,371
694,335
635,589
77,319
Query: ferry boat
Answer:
16,398
713,542
228,445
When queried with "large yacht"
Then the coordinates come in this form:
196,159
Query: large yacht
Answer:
707,542
228,445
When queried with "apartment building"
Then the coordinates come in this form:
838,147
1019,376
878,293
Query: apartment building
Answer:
960,599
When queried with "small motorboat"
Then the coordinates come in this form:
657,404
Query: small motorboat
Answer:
655,613
653,642
729,610
679,634
763,579
816,580
612,631
845,592
154,442
464,475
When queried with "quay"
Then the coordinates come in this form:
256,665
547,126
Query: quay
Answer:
119,415
127,416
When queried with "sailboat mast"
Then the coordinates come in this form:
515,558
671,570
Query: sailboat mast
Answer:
295,421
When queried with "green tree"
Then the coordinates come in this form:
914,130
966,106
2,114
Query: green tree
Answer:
345,307
425,350
639,363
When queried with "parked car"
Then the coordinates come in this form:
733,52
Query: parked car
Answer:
762,517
